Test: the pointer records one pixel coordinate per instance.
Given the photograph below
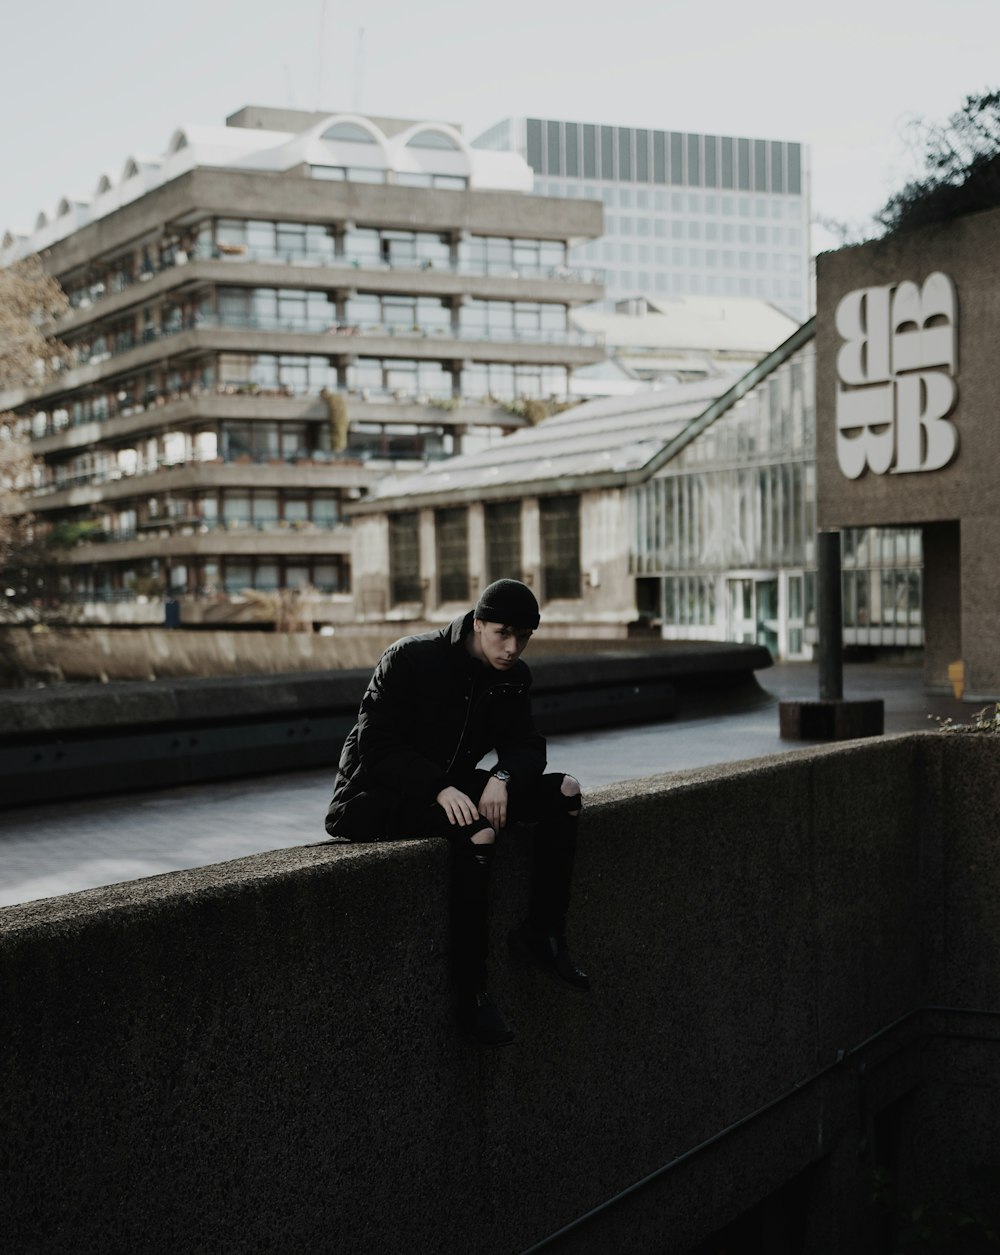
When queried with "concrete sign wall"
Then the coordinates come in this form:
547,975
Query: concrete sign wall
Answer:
907,422
896,370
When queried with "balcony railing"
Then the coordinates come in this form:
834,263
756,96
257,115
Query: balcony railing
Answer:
153,529
119,282
388,396
93,355
351,455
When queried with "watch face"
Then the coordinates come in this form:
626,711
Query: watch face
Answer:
502,775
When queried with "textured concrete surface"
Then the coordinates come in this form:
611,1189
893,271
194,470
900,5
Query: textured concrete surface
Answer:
260,1055
47,849
87,740
967,250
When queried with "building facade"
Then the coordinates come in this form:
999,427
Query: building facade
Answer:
691,511
685,214
907,379
266,320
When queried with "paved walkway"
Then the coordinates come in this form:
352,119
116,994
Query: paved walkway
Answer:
48,850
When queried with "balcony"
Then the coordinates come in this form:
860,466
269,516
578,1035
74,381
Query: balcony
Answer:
207,335
239,263
114,485
160,411
91,356
187,538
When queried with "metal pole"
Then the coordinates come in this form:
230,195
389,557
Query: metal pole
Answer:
830,616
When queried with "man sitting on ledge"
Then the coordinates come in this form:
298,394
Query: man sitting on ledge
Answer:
436,704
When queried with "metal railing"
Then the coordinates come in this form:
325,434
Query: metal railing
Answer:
101,289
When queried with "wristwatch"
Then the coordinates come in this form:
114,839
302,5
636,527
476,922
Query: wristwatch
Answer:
501,775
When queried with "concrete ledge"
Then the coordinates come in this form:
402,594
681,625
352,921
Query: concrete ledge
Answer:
260,1055
831,720
83,740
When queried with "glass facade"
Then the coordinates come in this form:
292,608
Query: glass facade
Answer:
451,532
404,557
723,538
685,213
559,528
502,520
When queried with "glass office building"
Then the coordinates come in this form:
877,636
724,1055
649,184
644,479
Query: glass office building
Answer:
684,213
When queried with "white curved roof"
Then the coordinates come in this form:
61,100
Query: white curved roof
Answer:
253,148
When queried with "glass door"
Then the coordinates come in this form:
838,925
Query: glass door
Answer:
753,610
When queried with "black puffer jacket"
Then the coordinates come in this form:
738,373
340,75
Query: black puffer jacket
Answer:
429,714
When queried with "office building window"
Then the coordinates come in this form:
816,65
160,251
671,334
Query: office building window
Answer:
451,530
404,557
559,524
503,540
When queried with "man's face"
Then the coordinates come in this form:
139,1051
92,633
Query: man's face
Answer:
498,644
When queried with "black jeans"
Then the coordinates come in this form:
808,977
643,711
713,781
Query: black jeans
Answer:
381,815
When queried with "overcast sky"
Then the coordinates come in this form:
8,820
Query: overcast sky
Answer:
84,86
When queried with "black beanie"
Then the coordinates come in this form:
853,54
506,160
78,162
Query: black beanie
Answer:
510,602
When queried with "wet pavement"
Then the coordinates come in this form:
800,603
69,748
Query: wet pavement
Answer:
66,846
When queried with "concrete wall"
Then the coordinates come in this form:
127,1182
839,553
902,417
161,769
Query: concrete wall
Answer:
156,653
260,1055
967,250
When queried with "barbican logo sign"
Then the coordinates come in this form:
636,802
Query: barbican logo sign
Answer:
896,377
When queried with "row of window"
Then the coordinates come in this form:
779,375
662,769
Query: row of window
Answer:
628,154
649,201
694,229
254,239
374,246
262,441
402,178
872,599
210,577
787,292
298,375
315,313
559,537
703,258
307,312
261,508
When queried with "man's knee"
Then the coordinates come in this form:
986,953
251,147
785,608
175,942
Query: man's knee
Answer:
570,790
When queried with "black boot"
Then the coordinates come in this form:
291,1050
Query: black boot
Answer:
482,1021
548,952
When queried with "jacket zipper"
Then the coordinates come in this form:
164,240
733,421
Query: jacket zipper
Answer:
517,688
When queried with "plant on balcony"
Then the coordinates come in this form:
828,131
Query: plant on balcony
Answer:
339,419
289,609
532,409
66,535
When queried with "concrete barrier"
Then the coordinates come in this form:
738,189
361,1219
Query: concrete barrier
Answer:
86,739
796,973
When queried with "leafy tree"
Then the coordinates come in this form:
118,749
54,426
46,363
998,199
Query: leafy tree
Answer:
961,161
30,303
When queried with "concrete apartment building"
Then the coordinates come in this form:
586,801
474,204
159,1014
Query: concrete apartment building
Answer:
267,319
685,214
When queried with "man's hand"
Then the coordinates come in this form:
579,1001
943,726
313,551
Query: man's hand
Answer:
459,808
493,803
